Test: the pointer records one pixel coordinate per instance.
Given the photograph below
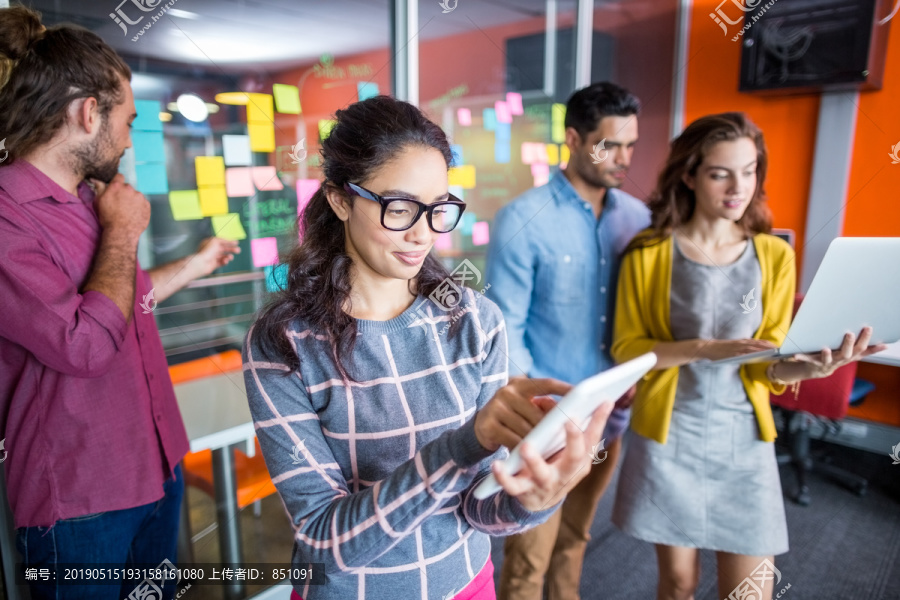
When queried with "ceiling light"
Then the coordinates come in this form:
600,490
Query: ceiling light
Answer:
192,107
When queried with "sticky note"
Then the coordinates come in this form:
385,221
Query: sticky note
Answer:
502,151
305,190
149,146
558,123
366,89
266,179
325,127
552,154
480,234
238,182
185,205
457,152
152,179
463,176
464,116
287,98
514,100
467,222
236,149
502,112
276,277
264,251
262,137
503,132
261,109
541,173
213,200
534,152
210,170
229,227
489,117
563,154
444,241
147,116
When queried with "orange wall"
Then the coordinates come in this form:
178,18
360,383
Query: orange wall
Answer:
789,124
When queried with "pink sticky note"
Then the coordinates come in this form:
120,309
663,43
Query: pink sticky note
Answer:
238,182
514,100
464,116
305,190
480,234
501,109
540,169
443,242
266,179
264,251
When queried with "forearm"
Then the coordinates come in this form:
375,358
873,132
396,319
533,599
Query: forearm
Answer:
169,278
676,354
789,371
114,270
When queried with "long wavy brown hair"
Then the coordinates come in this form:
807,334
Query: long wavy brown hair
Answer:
672,203
368,135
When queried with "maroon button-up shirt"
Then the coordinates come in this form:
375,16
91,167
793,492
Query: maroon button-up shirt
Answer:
87,407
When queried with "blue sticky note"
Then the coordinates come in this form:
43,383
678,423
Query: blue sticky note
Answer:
151,178
489,116
147,116
457,152
366,89
149,146
276,277
467,222
502,151
503,131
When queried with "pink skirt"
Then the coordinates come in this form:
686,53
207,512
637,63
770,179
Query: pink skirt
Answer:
480,588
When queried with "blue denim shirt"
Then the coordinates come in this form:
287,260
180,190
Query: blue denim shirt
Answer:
553,267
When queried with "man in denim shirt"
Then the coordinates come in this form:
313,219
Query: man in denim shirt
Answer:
553,265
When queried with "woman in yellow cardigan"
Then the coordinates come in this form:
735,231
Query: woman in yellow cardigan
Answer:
705,282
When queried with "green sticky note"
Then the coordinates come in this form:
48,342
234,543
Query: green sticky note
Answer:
325,127
185,205
228,227
558,123
287,98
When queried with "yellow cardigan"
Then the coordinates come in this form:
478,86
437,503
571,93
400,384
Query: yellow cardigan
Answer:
642,320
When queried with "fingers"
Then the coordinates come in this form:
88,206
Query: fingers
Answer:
865,336
544,403
540,387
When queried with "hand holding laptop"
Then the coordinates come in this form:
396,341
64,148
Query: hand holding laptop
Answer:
826,362
722,349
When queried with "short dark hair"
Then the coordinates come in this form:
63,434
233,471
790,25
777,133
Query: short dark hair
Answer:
587,106
43,70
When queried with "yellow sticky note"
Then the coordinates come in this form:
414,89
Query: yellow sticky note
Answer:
325,127
210,170
213,200
563,154
260,109
463,176
229,227
262,137
558,123
552,154
287,98
185,205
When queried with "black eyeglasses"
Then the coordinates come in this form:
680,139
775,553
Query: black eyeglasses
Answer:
399,214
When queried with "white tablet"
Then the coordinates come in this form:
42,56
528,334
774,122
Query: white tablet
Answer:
549,436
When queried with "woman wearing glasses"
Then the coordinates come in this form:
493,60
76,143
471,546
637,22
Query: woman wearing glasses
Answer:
707,282
375,426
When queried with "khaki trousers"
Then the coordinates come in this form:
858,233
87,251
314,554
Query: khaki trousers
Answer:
556,548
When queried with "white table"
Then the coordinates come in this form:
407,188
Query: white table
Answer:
217,417
890,357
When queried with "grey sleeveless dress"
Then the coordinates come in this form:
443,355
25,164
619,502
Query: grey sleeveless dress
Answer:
714,484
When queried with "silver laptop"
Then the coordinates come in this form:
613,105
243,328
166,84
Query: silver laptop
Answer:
857,284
